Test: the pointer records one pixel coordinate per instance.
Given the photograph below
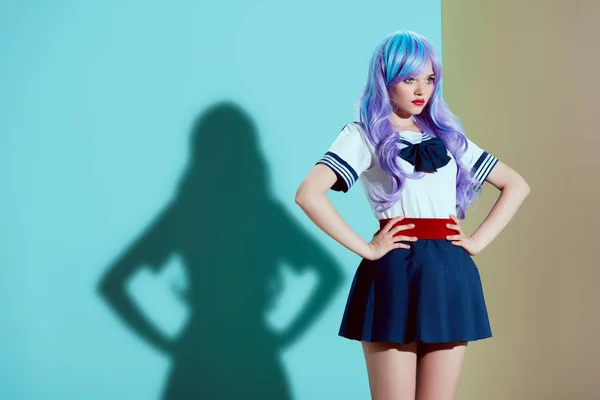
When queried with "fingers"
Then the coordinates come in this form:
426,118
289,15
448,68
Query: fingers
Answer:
404,239
454,237
401,228
391,223
456,227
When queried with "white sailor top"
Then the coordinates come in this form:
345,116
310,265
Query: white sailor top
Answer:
352,157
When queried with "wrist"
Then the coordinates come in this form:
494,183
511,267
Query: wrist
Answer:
366,251
479,246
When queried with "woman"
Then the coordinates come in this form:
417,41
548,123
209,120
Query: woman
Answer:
416,299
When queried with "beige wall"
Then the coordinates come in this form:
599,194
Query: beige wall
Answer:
523,77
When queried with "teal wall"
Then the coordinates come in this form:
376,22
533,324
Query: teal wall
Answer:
150,153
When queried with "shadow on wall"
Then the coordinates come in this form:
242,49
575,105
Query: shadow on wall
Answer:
230,236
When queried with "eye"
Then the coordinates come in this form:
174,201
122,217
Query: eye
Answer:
431,80
409,80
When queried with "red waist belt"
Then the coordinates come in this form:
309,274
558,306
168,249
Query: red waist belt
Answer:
425,228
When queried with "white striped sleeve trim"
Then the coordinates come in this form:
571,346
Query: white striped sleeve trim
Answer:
341,168
483,167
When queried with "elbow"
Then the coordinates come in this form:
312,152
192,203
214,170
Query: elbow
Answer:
525,189
301,197
517,185
304,197
522,187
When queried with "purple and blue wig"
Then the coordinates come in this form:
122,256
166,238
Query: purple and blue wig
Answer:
400,56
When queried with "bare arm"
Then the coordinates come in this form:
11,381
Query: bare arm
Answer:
313,201
513,191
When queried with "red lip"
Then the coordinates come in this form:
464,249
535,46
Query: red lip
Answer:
418,102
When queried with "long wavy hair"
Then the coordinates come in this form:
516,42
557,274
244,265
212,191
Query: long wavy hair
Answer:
402,55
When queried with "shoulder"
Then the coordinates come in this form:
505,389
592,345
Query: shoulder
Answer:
356,129
353,127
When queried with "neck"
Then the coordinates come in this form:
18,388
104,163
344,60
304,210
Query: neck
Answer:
402,123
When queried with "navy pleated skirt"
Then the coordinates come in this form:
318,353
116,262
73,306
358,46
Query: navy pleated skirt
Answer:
430,293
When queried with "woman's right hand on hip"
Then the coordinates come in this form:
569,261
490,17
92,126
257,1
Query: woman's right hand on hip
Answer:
384,240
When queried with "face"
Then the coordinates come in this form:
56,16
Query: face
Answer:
412,94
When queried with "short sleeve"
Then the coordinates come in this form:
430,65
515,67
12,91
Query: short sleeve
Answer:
479,161
348,156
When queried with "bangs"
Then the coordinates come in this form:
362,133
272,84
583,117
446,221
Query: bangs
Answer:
417,57
407,56
418,68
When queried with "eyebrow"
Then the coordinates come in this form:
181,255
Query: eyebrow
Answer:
428,75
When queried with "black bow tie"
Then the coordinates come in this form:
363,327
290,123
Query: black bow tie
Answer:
427,156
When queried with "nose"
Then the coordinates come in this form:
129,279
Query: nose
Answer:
419,88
